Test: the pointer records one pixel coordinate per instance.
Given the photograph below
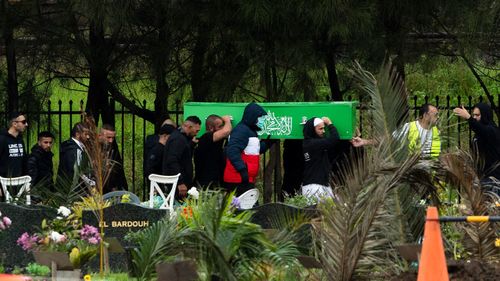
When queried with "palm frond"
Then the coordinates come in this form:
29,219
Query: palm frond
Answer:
155,243
388,99
358,226
458,169
371,211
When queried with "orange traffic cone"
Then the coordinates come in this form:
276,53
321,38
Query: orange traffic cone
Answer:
12,277
432,265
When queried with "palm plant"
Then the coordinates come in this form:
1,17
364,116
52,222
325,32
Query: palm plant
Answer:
155,244
224,244
459,170
367,217
229,246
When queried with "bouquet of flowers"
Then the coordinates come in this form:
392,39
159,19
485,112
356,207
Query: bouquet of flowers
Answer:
5,222
63,234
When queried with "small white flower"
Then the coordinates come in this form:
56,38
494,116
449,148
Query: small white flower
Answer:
57,237
63,211
194,193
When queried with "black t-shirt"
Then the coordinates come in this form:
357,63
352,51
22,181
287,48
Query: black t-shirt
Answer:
209,160
12,155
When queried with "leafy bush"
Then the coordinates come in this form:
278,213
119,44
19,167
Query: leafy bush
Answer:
300,201
37,269
17,270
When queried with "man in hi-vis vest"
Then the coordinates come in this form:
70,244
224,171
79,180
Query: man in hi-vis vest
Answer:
423,134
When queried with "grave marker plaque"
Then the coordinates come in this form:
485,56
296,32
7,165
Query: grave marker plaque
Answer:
119,220
25,218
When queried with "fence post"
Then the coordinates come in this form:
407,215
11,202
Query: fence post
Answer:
415,113
59,103
448,119
143,150
49,118
459,103
70,114
81,110
133,153
177,112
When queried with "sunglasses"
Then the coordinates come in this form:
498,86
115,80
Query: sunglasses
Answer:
23,121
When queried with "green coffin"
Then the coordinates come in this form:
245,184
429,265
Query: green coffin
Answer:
285,120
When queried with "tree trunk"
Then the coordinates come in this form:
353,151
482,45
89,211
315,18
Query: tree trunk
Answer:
333,79
278,194
271,84
199,84
268,174
10,55
160,62
97,95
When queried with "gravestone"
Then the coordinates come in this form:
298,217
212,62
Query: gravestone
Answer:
269,216
119,220
24,219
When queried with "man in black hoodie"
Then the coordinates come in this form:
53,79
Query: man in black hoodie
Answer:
190,128
154,162
317,167
486,143
39,164
178,154
12,154
149,145
243,150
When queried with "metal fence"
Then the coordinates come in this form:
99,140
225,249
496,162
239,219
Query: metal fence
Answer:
59,118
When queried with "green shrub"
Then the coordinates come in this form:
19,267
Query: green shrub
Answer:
300,201
36,269
17,270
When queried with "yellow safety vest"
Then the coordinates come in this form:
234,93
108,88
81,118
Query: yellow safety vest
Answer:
414,140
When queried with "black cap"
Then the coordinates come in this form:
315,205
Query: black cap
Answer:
166,129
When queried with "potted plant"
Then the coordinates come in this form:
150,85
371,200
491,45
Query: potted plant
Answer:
62,243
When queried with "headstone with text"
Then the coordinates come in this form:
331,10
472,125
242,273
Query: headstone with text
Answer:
119,220
24,219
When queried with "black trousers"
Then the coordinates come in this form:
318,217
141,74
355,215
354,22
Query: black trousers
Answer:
240,189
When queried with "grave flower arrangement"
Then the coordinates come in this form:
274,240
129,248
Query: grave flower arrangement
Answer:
5,222
64,234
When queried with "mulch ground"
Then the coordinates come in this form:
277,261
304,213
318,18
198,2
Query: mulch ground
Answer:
462,271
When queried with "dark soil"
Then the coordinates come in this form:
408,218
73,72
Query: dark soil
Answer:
462,271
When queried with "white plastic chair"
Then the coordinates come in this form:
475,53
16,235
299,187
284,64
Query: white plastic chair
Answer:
248,199
23,181
168,202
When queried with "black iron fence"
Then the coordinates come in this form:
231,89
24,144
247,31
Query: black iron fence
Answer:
59,118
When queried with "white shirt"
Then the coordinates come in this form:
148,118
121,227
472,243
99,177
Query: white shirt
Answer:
78,151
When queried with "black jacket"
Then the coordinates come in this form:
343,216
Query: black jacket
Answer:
317,166
12,155
209,160
149,145
67,159
116,179
177,158
40,167
486,141
246,128
154,162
